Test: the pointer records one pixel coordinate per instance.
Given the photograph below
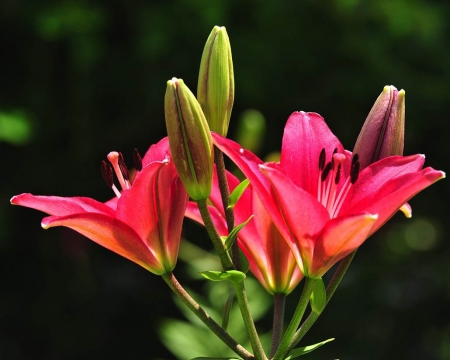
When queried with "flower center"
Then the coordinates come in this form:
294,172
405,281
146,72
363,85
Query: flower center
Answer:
328,192
121,170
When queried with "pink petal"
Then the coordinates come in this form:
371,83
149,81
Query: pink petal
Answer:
62,206
339,238
392,195
154,207
157,152
111,234
304,217
305,135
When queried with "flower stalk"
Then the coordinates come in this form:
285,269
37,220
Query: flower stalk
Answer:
192,305
239,288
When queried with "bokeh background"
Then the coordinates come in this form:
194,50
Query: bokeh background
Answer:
82,78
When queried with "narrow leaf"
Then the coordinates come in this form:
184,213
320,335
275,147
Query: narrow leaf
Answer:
231,275
233,234
306,349
237,193
209,358
318,297
227,309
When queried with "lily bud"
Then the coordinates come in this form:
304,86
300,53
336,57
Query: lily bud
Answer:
382,134
215,91
189,139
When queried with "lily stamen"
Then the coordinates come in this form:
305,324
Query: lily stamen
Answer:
117,162
328,194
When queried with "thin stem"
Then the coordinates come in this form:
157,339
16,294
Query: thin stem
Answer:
279,301
192,305
227,264
296,318
331,288
225,259
225,194
241,297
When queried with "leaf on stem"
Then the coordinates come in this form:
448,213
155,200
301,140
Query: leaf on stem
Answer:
231,275
233,234
318,298
237,193
306,349
227,309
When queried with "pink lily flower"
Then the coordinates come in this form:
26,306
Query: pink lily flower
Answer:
317,197
270,258
143,223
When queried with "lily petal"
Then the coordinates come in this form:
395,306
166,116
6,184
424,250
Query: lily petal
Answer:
111,234
61,206
305,135
339,238
303,215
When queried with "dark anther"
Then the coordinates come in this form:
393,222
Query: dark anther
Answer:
137,160
123,168
325,172
354,171
107,173
322,160
334,151
355,158
338,175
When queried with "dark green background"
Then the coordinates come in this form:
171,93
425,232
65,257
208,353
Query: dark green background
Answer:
90,76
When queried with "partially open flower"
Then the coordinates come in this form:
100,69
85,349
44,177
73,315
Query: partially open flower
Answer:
189,139
382,134
215,91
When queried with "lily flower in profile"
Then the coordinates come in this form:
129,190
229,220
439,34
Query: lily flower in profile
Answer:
269,256
143,223
318,197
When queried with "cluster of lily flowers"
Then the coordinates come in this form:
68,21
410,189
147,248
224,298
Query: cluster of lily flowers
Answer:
295,218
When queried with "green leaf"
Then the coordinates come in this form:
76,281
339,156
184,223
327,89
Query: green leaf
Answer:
318,297
233,234
208,358
231,275
227,309
245,265
306,349
237,193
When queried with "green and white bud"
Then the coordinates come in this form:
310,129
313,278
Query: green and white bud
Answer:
190,139
215,91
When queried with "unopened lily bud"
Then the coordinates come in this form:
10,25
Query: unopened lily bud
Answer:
215,91
382,134
189,139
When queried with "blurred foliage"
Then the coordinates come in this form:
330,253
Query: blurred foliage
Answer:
82,78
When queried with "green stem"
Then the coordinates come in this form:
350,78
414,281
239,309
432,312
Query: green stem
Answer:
296,318
225,259
225,194
241,297
227,264
192,305
279,301
331,288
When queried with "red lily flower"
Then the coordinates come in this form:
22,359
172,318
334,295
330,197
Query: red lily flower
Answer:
143,224
316,195
270,258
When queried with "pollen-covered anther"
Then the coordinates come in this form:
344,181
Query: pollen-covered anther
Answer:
329,195
107,175
354,170
137,159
